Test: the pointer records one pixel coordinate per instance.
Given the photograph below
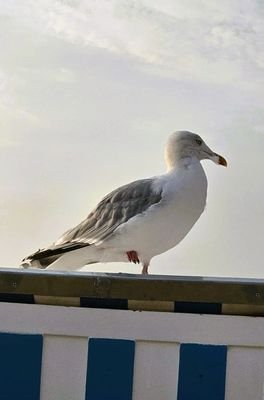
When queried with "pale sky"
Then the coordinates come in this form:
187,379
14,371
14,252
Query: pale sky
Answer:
89,92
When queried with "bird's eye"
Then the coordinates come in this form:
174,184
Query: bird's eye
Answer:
199,141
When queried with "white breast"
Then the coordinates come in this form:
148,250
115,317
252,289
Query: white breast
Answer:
164,225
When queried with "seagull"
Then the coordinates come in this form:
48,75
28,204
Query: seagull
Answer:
142,219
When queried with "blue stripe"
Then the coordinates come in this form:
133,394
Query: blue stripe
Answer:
17,298
197,307
20,366
202,372
110,369
117,304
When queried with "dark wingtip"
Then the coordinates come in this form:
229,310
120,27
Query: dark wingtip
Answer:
55,251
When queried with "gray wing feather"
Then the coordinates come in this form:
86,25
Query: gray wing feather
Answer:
113,210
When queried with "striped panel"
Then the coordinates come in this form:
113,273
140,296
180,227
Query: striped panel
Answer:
243,309
117,304
245,374
202,372
197,307
191,307
17,298
110,369
64,364
20,366
156,371
57,301
151,305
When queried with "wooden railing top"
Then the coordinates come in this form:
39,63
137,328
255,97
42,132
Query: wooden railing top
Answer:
132,286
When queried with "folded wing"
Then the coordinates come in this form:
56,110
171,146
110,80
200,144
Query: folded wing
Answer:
113,210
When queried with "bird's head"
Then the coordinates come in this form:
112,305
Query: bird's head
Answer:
185,147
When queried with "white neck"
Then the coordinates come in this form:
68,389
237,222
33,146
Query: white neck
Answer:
174,161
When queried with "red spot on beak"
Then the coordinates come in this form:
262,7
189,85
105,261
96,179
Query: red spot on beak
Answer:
222,161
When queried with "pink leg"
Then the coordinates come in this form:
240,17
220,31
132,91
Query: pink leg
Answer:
132,256
145,269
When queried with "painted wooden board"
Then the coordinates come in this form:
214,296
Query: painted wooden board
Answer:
135,325
110,369
63,368
131,286
20,366
202,372
156,371
156,338
245,373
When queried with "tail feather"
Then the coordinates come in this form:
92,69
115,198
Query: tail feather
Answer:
76,259
43,258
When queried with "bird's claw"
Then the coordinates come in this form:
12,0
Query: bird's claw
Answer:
133,256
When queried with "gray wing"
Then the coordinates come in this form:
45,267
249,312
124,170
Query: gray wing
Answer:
113,210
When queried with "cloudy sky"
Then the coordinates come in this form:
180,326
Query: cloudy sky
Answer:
89,91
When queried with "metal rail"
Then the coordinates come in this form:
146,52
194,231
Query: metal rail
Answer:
132,287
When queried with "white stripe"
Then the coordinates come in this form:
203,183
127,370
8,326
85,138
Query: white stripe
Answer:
245,373
64,364
135,325
155,371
